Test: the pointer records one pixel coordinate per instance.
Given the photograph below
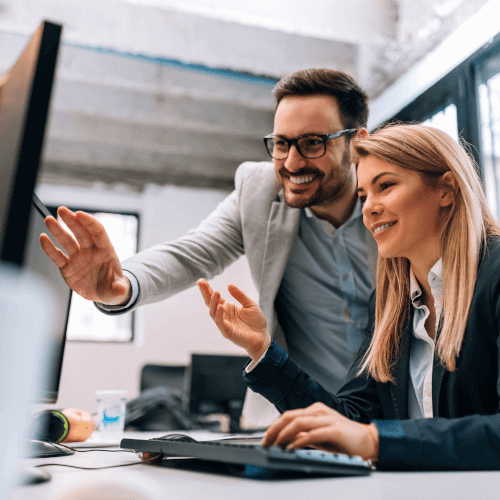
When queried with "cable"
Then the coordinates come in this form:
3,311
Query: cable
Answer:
150,460
100,468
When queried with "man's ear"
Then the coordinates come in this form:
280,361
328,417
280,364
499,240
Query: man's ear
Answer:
362,132
449,189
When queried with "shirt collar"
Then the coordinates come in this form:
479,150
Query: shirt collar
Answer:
357,212
435,281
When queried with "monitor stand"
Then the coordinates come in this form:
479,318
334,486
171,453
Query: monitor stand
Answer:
22,343
32,475
234,409
44,449
40,449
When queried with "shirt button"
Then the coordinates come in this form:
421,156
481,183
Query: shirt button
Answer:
345,277
336,239
428,392
433,278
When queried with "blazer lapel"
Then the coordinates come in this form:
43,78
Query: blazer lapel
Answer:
282,229
399,392
438,371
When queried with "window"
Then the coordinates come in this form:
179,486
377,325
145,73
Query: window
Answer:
466,103
86,323
488,89
445,120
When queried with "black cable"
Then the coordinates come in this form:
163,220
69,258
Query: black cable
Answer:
76,450
150,460
100,468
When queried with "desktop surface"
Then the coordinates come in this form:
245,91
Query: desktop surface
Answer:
148,482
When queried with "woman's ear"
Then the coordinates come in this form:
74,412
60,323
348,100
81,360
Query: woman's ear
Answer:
449,189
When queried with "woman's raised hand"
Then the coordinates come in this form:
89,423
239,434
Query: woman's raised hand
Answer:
243,325
91,267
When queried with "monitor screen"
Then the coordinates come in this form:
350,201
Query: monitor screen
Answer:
25,92
216,385
28,308
38,261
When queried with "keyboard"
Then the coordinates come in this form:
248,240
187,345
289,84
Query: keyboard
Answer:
248,452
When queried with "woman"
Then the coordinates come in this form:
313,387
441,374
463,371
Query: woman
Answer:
423,391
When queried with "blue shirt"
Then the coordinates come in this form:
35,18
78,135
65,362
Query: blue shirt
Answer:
322,302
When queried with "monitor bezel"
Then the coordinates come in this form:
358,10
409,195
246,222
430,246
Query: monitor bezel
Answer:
36,64
51,396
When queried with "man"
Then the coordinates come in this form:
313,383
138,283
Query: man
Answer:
298,221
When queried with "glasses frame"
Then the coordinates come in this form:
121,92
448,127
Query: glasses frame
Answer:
294,142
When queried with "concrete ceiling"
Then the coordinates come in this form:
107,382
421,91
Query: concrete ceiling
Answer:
164,91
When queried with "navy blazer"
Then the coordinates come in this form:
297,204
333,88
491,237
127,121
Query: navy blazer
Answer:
465,432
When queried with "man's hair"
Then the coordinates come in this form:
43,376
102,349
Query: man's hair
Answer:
352,99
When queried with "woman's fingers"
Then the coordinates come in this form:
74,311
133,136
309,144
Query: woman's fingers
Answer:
275,428
214,302
240,296
288,420
301,424
320,437
223,326
205,290
320,427
55,254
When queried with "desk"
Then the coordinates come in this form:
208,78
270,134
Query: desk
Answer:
157,482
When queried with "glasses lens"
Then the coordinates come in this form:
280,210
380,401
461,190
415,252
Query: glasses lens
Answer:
277,148
312,146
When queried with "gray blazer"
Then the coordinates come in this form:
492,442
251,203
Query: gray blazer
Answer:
253,220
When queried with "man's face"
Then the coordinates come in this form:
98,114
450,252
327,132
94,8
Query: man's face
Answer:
319,181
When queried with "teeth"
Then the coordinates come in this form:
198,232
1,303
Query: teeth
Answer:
301,180
385,226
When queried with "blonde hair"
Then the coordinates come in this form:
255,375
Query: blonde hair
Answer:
430,153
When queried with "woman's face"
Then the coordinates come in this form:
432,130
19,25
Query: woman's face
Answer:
402,213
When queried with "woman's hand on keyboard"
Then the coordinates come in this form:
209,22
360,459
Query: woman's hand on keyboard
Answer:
243,325
319,426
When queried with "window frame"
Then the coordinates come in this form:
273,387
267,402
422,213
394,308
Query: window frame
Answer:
459,87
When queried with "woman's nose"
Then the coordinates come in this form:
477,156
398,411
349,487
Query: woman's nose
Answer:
370,207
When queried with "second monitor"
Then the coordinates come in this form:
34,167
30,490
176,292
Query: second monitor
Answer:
216,385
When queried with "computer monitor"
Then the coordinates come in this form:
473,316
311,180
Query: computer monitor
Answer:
38,261
28,303
216,385
25,92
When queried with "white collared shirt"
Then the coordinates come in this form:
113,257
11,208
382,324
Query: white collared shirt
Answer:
422,347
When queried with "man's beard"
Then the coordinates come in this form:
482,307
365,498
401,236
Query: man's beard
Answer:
321,195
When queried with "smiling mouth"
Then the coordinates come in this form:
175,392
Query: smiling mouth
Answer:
302,180
385,226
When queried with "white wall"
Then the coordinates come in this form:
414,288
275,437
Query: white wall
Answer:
167,332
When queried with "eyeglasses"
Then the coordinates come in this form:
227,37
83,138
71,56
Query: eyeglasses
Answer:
308,146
